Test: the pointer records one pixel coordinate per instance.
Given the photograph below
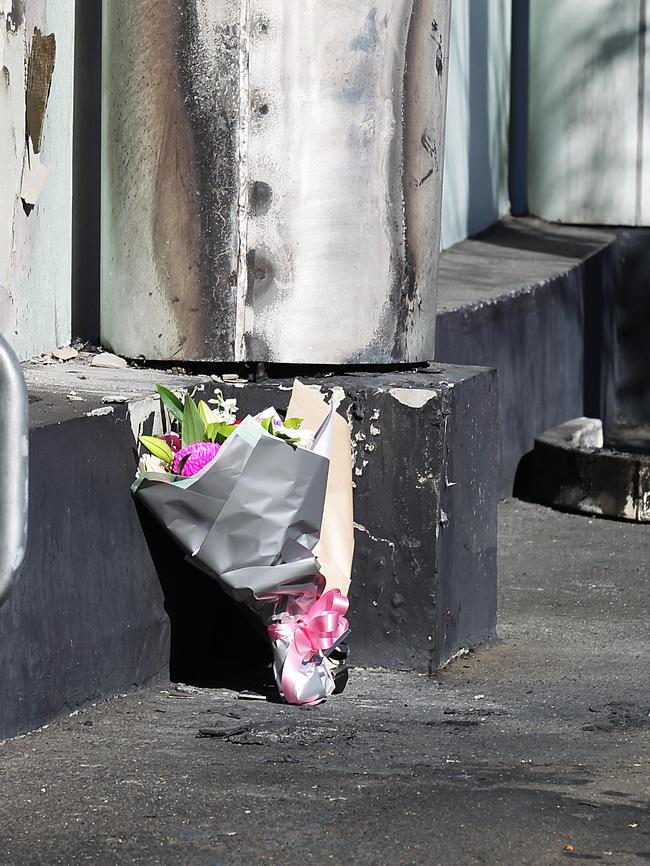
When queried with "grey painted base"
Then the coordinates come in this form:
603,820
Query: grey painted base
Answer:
535,301
105,602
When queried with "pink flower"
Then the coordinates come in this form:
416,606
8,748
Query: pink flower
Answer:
173,440
198,455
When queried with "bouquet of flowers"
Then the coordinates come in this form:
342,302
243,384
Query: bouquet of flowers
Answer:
264,506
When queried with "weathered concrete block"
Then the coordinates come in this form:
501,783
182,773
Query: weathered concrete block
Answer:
101,605
632,346
425,474
85,617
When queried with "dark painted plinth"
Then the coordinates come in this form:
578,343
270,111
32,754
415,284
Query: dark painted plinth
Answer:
535,301
568,469
85,617
105,601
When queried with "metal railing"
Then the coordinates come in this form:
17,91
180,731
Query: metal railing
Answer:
13,484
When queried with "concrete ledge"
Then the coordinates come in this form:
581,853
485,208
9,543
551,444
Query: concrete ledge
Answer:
101,606
534,301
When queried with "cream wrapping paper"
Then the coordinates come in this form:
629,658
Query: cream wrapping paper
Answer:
335,548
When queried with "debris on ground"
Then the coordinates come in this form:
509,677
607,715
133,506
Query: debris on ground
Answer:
64,353
109,360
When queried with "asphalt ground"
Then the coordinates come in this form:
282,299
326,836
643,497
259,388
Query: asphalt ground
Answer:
535,750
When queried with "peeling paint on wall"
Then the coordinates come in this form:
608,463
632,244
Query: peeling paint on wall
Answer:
414,397
36,131
40,69
12,144
39,81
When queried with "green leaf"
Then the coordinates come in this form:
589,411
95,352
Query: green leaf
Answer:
193,429
181,464
171,401
267,423
216,432
293,423
286,438
226,430
158,448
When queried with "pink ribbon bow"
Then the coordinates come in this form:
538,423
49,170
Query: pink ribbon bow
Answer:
318,631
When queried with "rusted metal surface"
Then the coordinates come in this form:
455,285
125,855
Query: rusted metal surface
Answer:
272,179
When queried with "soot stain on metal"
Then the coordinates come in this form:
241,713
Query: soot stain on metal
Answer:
392,329
437,38
210,82
175,230
256,346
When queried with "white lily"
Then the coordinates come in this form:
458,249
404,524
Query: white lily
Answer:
226,411
305,438
149,463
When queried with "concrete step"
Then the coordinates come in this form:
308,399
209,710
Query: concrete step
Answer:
101,605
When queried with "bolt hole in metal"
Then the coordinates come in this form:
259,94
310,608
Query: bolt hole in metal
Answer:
260,198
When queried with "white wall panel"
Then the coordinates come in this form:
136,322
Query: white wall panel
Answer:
475,187
589,112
